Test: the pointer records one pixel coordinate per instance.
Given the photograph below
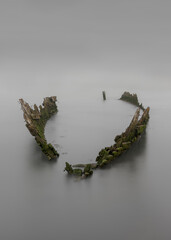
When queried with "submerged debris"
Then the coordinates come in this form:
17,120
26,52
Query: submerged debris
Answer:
86,171
36,119
131,98
122,143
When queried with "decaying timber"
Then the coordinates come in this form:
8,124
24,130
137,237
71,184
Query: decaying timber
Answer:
131,98
122,143
36,119
104,95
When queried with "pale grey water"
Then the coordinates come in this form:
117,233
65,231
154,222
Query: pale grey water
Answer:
75,50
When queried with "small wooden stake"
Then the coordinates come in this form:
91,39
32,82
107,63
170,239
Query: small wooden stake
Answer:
104,95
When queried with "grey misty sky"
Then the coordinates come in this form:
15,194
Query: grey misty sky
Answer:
131,36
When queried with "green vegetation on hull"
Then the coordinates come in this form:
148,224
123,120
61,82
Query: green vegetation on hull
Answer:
131,98
36,119
124,141
85,172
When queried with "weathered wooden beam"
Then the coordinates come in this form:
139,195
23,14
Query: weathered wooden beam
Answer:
104,95
36,120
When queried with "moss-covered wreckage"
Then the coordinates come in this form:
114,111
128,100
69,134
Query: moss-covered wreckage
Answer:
122,142
36,119
131,98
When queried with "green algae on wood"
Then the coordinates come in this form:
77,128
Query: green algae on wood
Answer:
84,170
36,119
131,98
124,141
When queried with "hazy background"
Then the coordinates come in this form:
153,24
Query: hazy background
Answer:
74,50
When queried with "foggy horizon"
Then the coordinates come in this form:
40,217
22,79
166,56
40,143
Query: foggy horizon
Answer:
101,40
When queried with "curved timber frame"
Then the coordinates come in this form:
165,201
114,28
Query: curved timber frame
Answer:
36,119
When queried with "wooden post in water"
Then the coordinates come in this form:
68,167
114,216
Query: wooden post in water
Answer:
104,95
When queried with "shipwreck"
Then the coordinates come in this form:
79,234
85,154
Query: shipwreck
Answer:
37,117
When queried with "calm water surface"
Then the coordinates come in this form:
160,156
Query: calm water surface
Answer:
130,198
75,50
